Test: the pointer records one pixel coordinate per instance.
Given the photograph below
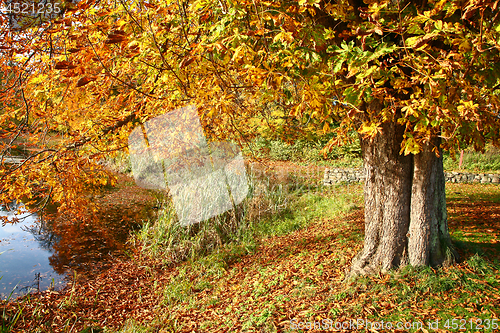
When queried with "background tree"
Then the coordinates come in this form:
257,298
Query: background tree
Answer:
411,77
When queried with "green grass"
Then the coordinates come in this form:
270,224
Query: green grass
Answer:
285,254
303,150
274,210
9,319
456,292
466,291
273,207
474,162
349,156
131,326
304,209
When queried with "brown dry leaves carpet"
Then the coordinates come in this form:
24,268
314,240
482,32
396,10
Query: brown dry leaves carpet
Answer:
295,276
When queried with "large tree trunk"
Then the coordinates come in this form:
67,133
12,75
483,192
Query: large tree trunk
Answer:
405,207
429,241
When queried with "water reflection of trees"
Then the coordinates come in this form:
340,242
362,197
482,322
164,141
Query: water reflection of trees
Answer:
38,227
42,233
84,243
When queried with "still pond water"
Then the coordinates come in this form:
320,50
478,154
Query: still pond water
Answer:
37,254
25,251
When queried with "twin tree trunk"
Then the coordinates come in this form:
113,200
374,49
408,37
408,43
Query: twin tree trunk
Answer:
405,206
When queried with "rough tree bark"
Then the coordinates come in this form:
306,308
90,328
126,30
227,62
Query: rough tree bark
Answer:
429,241
405,207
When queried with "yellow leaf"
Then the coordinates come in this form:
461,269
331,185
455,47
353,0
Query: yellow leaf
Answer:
370,130
411,147
284,36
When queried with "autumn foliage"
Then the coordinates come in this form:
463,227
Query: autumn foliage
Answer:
73,87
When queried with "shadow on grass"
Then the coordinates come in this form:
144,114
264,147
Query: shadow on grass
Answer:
469,249
475,226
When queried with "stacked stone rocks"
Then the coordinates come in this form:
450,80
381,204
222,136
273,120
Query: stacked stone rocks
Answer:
339,175
463,177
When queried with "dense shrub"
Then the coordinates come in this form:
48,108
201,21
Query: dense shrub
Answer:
300,150
474,161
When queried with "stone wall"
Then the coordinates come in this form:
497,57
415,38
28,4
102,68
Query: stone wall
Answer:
338,175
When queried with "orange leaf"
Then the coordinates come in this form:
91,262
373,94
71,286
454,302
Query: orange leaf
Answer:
185,62
116,36
64,65
84,80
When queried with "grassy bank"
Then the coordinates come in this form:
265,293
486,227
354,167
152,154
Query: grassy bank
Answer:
300,275
349,156
474,162
277,265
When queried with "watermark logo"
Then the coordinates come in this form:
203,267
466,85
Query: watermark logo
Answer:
204,178
24,14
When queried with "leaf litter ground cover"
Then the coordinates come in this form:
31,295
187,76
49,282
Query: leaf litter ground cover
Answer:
265,284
